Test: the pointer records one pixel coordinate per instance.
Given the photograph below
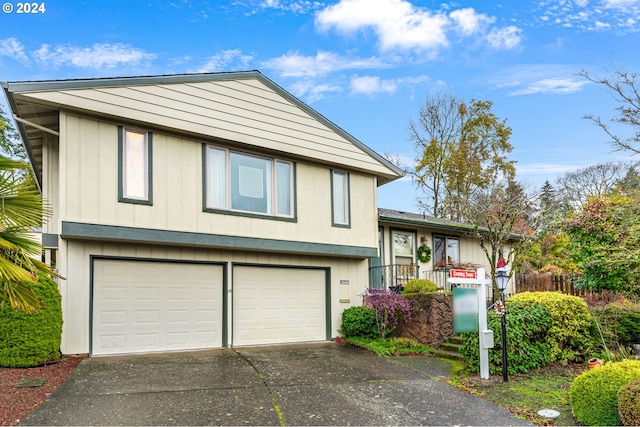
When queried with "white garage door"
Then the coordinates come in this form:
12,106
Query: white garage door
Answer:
274,305
144,306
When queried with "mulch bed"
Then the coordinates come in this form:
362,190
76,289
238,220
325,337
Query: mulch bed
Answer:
19,402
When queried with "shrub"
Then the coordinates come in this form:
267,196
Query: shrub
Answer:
390,308
28,340
619,322
629,403
527,327
594,393
359,321
569,337
420,286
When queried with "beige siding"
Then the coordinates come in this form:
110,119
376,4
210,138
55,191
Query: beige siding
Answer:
245,111
75,288
89,188
50,194
470,250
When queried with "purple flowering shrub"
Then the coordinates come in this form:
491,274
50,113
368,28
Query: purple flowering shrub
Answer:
389,306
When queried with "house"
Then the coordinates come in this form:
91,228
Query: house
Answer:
198,211
402,236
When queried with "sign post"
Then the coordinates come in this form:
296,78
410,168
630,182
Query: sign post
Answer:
470,315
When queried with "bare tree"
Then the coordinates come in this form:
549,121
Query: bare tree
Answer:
439,127
503,218
624,87
574,188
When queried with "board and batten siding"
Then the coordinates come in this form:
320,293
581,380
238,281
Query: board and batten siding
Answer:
243,110
89,191
75,266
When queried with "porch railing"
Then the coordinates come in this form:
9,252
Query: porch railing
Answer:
394,275
387,276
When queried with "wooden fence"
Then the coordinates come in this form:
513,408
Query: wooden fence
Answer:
564,283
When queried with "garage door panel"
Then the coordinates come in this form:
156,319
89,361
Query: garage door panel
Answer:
155,306
278,305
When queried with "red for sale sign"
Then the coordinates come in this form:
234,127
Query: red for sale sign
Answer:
462,274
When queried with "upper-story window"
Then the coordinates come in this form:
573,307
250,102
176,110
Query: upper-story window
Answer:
340,199
134,164
246,183
446,251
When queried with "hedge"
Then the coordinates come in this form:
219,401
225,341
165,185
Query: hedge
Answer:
570,336
28,340
527,327
629,403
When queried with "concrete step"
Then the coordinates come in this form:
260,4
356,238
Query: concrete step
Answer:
449,346
456,339
438,352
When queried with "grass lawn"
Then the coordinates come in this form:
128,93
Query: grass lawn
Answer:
525,394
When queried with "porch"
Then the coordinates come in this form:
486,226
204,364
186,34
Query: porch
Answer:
394,277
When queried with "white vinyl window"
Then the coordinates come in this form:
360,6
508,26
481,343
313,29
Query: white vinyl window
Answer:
246,183
340,198
135,166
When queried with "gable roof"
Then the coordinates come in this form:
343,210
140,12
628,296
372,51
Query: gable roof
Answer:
244,107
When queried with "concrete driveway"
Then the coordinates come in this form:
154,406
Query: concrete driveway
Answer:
319,384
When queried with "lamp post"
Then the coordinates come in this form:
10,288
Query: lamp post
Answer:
502,280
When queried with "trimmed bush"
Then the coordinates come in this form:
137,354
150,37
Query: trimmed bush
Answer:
569,338
28,340
359,321
629,404
420,286
527,349
594,393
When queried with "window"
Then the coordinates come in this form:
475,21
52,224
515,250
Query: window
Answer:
403,248
340,199
134,164
245,183
446,251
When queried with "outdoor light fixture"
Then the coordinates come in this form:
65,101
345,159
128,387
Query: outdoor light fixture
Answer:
502,280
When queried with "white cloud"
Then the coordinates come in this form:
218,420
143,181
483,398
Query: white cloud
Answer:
600,15
12,48
504,38
311,91
372,84
620,4
293,6
551,85
296,65
547,168
226,60
100,55
397,23
602,25
469,22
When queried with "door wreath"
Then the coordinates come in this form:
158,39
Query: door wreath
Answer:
424,253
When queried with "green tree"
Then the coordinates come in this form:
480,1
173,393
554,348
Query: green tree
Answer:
10,143
22,212
461,148
605,242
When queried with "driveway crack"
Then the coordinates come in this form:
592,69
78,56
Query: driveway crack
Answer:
276,406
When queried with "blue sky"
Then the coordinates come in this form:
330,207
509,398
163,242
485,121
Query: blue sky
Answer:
366,65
